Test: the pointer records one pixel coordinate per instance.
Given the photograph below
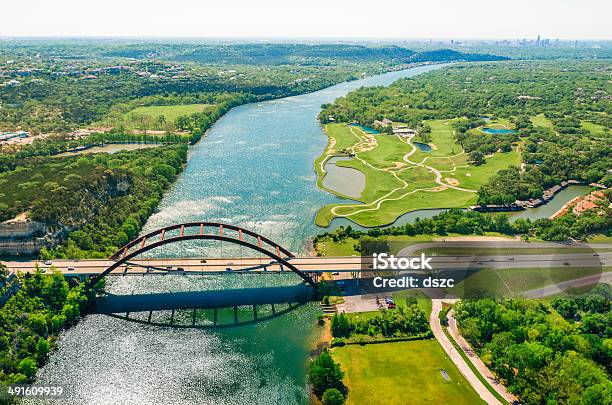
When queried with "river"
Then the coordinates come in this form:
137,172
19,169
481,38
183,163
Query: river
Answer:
253,169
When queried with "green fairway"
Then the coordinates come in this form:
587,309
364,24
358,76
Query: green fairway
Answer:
400,177
595,129
402,373
541,121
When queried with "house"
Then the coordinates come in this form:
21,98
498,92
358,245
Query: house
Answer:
404,132
385,122
12,83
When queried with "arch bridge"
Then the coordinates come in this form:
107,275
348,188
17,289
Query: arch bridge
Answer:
203,231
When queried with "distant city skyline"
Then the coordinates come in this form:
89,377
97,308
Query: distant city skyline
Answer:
383,19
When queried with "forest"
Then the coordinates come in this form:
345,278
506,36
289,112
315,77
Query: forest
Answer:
92,204
31,321
546,352
61,85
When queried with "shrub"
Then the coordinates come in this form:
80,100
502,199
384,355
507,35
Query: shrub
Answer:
325,373
332,396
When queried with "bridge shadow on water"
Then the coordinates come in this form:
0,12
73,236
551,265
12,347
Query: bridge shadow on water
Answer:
206,309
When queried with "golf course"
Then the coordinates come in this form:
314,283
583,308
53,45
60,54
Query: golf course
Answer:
405,174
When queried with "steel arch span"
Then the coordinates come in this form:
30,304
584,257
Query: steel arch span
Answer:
203,231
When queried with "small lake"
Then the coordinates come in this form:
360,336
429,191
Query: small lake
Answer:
423,147
494,131
365,129
344,180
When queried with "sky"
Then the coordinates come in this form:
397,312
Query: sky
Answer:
399,19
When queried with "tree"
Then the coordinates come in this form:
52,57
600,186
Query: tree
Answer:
28,367
42,350
325,373
332,396
340,325
476,157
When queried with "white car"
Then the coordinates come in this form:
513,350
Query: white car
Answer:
48,263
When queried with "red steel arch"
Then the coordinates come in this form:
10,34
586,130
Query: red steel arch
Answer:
263,245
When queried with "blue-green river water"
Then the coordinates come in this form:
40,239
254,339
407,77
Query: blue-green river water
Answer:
255,169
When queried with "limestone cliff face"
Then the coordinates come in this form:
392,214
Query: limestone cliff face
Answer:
54,216
21,237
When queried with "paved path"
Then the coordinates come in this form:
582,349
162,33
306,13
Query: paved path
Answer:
434,323
480,366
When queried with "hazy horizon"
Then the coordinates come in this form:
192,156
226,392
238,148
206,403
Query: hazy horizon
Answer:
384,20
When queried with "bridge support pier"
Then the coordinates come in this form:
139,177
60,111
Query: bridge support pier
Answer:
215,317
235,315
150,315
255,311
193,317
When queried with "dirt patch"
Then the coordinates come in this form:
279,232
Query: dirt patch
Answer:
452,181
433,146
324,339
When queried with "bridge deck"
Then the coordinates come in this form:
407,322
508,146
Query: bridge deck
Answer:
305,264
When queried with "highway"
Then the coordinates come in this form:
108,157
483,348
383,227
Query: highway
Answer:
310,264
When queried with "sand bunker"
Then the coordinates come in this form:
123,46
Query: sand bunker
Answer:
452,181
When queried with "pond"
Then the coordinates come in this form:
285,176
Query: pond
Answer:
423,147
365,129
344,180
494,131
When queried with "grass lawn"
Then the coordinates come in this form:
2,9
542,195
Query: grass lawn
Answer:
343,248
390,210
170,112
423,300
484,251
595,129
402,373
473,177
541,121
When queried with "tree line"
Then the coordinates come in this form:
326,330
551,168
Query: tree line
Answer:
546,353
32,319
